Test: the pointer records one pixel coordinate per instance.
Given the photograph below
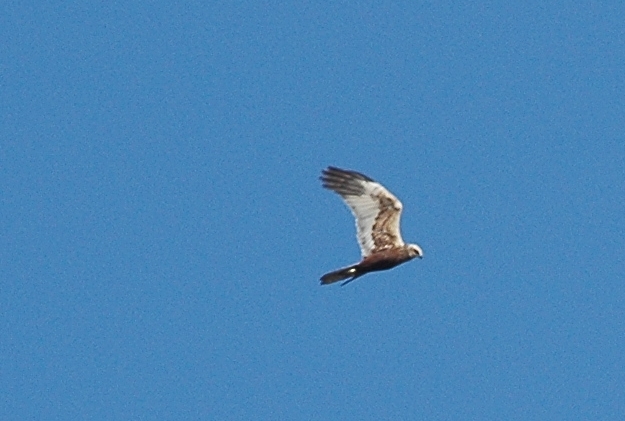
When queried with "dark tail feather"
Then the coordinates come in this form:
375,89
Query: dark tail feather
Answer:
340,275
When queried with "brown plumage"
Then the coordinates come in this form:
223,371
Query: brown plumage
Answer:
377,214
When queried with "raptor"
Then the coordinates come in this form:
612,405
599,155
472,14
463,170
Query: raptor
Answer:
377,212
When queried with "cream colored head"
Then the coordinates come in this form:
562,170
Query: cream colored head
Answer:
414,251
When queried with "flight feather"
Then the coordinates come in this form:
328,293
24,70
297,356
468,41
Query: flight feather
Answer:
377,210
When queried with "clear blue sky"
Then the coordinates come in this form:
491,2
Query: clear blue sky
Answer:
163,228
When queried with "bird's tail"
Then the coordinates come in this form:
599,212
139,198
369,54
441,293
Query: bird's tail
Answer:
340,275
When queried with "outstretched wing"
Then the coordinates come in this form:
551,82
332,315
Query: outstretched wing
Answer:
376,210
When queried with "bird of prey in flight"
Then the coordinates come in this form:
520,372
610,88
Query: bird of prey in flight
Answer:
377,212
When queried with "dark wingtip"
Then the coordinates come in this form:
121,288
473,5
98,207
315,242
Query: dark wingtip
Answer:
336,171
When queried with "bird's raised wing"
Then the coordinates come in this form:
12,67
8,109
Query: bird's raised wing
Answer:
376,210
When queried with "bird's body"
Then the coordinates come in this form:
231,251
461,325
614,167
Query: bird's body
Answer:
383,260
377,214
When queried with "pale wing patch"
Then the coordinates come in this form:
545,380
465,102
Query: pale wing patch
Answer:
376,210
365,211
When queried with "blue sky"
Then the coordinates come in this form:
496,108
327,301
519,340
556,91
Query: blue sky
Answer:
164,228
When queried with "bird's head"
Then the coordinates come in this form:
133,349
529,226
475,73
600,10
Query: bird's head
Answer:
414,251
